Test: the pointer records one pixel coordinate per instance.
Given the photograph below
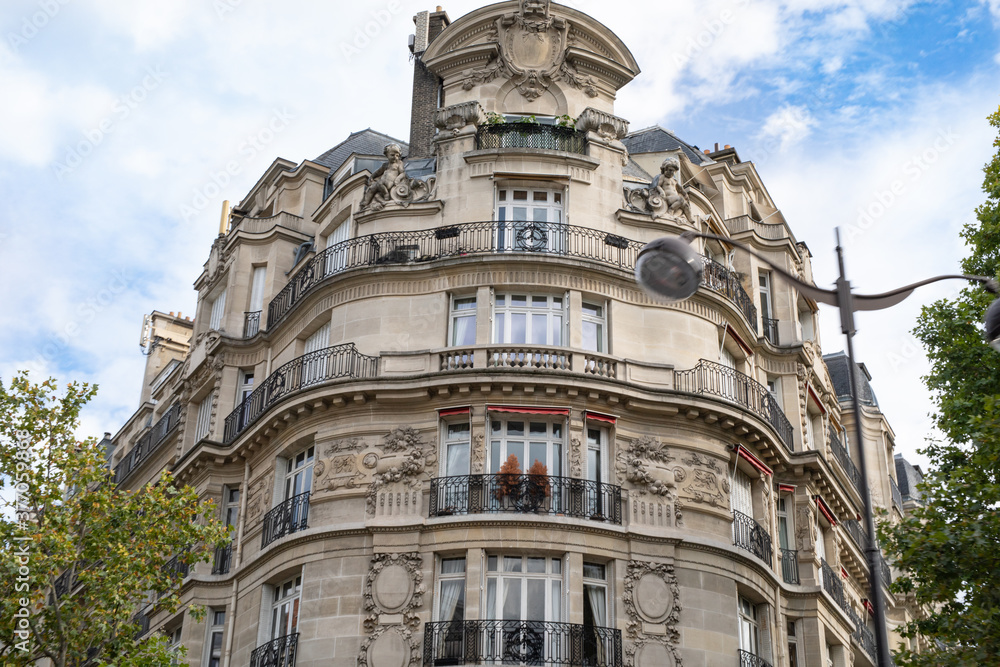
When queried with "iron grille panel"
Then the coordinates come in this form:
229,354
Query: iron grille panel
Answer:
751,536
289,517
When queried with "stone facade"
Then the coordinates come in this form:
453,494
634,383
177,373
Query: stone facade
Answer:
451,429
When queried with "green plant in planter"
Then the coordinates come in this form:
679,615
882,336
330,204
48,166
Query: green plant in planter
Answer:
493,118
566,121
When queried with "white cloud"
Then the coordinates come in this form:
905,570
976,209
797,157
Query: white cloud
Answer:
994,7
789,125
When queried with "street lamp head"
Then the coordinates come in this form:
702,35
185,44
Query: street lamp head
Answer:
993,325
669,268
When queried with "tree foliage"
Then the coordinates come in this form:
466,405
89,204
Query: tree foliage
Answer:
949,550
81,558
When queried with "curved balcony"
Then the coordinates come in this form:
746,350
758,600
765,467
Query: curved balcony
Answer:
521,643
485,238
715,379
289,517
751,536
526,494
844,459
309,370
533,136
277,653
148,443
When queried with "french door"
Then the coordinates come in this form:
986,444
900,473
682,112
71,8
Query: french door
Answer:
530,220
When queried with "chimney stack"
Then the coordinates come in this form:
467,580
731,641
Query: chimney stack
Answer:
426,86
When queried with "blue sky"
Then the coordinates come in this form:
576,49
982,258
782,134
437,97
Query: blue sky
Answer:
120,118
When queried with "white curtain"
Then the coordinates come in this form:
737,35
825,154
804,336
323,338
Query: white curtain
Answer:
458,460
257,289
597,600
464,326
452,592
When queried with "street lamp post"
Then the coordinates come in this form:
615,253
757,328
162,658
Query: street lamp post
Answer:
670,268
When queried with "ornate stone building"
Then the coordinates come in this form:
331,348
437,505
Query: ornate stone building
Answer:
448,428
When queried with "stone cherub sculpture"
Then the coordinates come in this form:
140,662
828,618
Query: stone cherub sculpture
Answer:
390,184
665,197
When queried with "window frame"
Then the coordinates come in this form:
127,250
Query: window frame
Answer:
294,469
750,621
764,288
279,600
509,226
216,626
554,598
451,577
258,285
502,317
455,314
447,442
554,443
203,420
217,311
601,321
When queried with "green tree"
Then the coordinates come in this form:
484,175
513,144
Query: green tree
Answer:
80,557
949,550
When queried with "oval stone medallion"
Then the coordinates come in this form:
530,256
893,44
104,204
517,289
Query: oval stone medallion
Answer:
392,588
653,598
654,655
389,650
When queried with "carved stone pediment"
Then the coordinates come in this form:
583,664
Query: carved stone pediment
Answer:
533,47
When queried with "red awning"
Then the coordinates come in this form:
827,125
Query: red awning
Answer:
827,512
843,572
529,411
598,417
786,488
747,455
448,412
739,341
869,606
819,403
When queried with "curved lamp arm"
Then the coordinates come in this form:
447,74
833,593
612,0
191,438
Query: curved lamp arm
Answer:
831,296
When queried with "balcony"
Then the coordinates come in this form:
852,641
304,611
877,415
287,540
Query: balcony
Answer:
526,494
148,443
484,238
790,566
289,517
251,324
751,536
720,279
770,330
897,497
863,635
277,653
521,643
309,370
834,586
532,136
748,659
715,379
844,459
223,559
771,232
857,533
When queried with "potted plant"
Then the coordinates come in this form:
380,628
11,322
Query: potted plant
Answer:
537,487
508,479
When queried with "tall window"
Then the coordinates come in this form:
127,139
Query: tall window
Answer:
231,506
213,644
174,645
597,457
530,220
204,421
749,627
523,319
336,257
463,322
529,442
593,327
456,459
257,289
742,497
218,310
595,613
285,608
785,529
314,366
764,280
520,588
451,610
298,473
793,645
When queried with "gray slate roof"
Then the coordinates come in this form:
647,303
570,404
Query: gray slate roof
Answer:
658,140
365,142
838,365
633,170
908,476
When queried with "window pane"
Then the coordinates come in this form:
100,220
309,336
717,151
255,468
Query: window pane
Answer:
491,563
518,328
464,330
540,302
541,196
500,335
517,450
503,195
557,430
515,428
538,428
452,565
557,329
458,460
537,450
512,599
540,215
593,571
592,310
465,304
536,565
556,601
511,563
590,336
536,600
518,301
556,566
452,603
520,195
538,325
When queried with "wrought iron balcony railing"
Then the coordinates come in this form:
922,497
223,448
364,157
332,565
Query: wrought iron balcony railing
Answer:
751,536
844,459
862,634
223,559
289,517
142,618
485,238
521,643
886,570
340,361
531,135
769,231
790,566
277,653
897,497
531,494
748,659
770,329
834,586
148,443
715,379
251,324
720,279
857,533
